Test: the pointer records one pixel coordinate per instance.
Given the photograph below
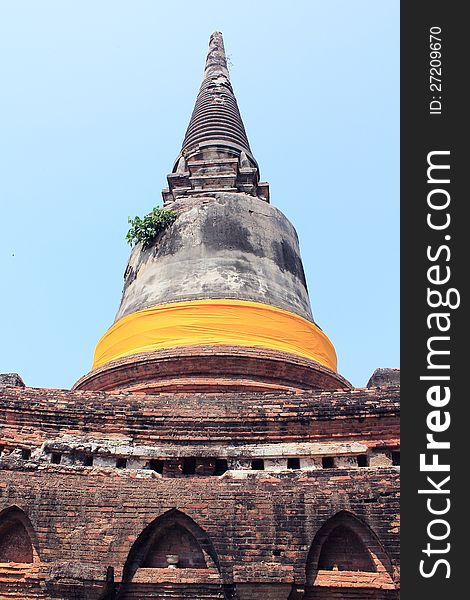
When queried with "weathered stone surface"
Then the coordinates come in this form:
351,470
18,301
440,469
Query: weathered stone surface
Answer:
11,379
384,377
232,246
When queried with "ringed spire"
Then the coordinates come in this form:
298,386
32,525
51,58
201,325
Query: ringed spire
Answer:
216,117
215,154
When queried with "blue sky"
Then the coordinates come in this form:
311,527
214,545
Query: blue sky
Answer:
95,100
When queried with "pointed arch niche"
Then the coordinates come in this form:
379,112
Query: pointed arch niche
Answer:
17,539
346,553
175,540
172,549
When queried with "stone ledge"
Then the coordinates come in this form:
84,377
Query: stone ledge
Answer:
351,579
196,576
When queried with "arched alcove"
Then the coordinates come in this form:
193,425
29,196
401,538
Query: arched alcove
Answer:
175,540
17,538
171,534
346,545
343,550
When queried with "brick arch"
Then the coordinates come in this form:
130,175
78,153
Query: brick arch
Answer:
175,539
174,532
346,543
18,542
343,550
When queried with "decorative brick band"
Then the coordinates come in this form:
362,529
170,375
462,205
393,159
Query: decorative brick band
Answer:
212,368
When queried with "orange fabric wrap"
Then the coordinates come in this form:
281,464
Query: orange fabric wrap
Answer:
209,322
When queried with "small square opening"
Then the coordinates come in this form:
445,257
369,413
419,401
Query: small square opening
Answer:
88,460
396,458
25,453
121,463
328,462
221,466
156,465
293,463
56,457
257,464
189,466
362,460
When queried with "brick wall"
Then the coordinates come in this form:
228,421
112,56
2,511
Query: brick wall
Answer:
33,415
86,523
260,532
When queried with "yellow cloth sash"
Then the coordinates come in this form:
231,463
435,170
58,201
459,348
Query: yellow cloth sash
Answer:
209,322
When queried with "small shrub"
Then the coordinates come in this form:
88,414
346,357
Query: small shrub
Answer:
146,230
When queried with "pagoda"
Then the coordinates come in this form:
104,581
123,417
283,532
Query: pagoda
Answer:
213,451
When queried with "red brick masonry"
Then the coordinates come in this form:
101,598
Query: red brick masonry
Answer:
262,532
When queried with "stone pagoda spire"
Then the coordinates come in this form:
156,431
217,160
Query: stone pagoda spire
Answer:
216,154
218,301
216,118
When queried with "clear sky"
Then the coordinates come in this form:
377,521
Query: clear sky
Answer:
95,97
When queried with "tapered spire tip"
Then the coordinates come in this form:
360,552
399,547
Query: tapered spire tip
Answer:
215,155
216,62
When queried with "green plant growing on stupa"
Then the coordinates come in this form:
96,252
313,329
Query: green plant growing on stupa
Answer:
146,230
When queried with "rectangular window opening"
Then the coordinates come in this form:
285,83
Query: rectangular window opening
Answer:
328,462
257,464
156,465
221,466
121,463
56,457
189,466
293,463
88,460
396,458
25,453
362,460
